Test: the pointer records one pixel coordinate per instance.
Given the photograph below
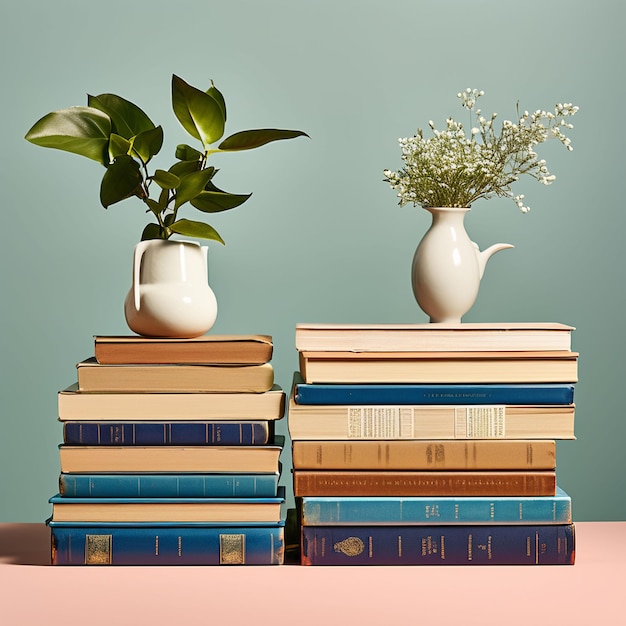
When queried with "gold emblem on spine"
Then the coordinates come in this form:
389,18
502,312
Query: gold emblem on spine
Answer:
98,549
352,546
232,549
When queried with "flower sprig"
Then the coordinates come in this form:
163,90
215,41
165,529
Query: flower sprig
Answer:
454,169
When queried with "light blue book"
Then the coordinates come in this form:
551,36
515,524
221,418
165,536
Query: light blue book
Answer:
388,511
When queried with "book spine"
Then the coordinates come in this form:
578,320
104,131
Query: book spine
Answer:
424,483
435,510
77,545
521,394
438,545
166,433
168,485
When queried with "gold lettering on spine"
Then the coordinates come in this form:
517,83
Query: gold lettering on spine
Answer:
98,549
351,546
232,549
470,549
156,546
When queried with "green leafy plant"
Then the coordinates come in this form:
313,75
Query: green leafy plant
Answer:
120,136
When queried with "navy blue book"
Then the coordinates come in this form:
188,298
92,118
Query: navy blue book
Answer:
254,433
400,511
438,545
366,394
160,544
168,485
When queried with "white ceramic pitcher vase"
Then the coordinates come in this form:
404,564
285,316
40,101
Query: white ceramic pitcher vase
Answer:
170,295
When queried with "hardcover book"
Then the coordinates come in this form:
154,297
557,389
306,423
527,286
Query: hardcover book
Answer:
439,367
170,459
149,544
75,405
480,454
168,433
175,510
467,337
321,422
215,485
207,349
94,376
549,544
401,511
427,483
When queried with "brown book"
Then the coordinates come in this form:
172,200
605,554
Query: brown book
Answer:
425,455
169,459
439,367
371,483
79,406
94,376
207,349
471,337
339,422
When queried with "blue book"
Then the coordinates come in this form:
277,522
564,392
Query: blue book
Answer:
153,544
399,511
168,485
550,544
167,433
366,394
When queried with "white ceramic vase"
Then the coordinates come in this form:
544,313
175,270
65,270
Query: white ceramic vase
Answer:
448,266
170,294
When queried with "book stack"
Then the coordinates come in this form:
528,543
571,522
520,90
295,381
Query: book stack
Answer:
432,443
169,455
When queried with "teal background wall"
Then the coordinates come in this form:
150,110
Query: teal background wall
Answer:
322,238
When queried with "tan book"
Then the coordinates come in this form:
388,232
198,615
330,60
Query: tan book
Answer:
167,510
425,455
439,367
369,483
169,459
339,422
75,405
94,376
470,337
207,349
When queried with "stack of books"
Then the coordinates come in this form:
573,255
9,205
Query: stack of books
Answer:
169,454
432,443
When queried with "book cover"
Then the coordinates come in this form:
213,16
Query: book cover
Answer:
94,376
362,422
214,485
550,544
429,483
170,459
75,405
536,394
470,336
401,511
175,510
206,349
479,454
167,545
167,433
439,367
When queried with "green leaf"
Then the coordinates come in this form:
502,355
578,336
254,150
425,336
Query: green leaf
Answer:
155,207
166,180
182,168
199,113
187,153
191,185
128,119
121,180
215,201
148,143
195,229
118,146
152,231
249,139
81,130
216,94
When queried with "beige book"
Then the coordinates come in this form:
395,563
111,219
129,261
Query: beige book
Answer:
94,376
337,422
425,455
75,405
433,337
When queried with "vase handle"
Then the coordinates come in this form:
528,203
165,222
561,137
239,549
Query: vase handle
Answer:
137,256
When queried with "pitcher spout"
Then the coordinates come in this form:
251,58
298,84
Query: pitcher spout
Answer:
487,253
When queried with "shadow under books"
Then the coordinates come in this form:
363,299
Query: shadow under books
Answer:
24,544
